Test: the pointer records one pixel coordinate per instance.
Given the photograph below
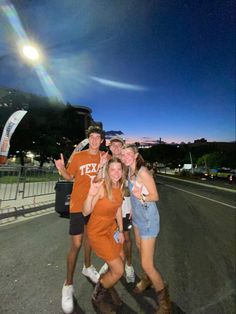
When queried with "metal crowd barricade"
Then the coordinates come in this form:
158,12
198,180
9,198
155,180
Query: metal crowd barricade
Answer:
28,181
39,181
9,182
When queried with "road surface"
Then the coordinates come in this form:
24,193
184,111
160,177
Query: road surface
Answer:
195,253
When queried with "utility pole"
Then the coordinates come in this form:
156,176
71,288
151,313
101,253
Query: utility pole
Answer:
191,161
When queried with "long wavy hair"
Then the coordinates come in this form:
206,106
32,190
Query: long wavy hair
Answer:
107,179
139,160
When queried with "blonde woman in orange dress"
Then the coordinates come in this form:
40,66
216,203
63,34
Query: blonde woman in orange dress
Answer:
105,231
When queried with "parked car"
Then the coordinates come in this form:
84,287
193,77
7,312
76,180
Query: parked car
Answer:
223,173
202,171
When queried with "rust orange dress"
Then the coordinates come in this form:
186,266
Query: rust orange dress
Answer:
102,225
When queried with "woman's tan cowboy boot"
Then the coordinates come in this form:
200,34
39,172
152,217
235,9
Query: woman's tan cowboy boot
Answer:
164,302
143,284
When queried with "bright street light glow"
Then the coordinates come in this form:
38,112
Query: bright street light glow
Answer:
31,52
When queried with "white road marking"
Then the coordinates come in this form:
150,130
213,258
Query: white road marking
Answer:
207,198
198,183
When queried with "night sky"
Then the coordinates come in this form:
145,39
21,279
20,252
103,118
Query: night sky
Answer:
148,68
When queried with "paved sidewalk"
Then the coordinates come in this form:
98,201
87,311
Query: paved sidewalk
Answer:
24,207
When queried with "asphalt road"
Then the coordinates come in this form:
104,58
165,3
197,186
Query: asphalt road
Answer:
195,253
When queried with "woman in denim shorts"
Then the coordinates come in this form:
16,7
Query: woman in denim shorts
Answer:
145,217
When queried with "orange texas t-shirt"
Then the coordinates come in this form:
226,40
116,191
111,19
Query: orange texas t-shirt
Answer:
83,167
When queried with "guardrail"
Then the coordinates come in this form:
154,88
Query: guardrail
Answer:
27,181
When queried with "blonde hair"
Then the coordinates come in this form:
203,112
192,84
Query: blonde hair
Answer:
107,179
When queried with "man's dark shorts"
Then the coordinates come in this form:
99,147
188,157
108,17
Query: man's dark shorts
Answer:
77,223
127,223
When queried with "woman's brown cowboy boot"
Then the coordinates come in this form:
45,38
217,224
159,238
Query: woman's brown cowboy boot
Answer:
164,302
115,296
100,299
143,284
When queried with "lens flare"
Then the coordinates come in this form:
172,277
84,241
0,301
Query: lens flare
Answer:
29,51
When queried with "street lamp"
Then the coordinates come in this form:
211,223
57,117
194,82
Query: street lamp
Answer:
191,161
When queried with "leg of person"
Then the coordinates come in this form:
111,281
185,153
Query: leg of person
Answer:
145,282
147,257
87,249
88,269
129,270
114,294
76,232
104,287
76,242
127,247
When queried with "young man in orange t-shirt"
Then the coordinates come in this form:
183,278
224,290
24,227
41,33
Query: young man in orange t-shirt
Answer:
82,168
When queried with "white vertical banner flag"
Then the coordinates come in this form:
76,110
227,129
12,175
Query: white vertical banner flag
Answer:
78,148
9,129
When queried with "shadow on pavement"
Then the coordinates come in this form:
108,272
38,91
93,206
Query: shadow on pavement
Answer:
77,308
122,309
141,300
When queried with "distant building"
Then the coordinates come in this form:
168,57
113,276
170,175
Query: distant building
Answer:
186,167
201,140
85,115
145,145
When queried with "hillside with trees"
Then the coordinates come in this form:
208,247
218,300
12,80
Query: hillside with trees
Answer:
207,154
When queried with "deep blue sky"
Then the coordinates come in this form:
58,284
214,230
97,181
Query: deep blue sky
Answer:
148,68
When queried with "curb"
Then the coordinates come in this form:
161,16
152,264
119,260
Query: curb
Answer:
21,211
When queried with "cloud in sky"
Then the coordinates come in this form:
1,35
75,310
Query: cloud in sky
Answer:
128,139
119,85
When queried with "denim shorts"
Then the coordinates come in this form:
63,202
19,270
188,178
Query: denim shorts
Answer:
145,217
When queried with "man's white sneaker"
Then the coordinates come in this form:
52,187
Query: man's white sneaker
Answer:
129,274
91,273
67,302
103,269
